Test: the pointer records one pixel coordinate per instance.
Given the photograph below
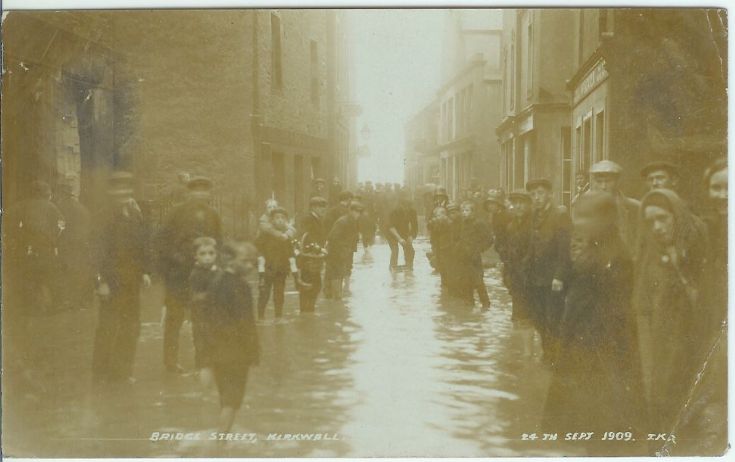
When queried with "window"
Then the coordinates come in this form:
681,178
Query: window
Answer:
512,71
315,83
600,136
519,168
567,174
276,53
529,63
587,144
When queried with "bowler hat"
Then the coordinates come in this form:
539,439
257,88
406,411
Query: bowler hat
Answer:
320,180
659,165
538,182
606,166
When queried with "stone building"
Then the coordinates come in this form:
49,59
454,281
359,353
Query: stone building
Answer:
469,100
630,85
254,99
666,100
538,58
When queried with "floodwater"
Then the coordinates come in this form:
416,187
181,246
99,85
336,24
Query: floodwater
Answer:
394,369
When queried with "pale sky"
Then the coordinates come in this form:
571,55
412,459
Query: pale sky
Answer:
396,56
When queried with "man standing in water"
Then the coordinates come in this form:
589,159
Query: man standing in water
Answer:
548,263
190,220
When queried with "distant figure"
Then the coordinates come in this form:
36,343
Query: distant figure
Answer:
341,244
402,230
275,262
313,253
474,238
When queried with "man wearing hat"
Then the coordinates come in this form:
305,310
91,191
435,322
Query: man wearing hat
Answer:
32,228
123,266
515,252
190,220
341,244
319,189
548,263
312,239
338,210
605,177
661,174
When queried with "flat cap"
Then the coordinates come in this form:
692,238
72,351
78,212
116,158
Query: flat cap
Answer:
320,180
452,207
199,183
519,195
659,165
606,166
536,182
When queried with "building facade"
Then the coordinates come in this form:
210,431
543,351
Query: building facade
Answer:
469,101
422,163
630,85
254,99
666,101
534,134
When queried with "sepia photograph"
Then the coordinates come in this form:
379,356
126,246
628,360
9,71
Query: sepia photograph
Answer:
351,232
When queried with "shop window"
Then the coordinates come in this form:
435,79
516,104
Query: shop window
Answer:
600,136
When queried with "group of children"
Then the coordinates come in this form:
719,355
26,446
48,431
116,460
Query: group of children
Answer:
458,240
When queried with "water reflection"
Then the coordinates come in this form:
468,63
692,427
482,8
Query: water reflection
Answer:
396,369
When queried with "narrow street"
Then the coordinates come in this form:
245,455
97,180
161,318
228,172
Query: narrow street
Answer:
393,370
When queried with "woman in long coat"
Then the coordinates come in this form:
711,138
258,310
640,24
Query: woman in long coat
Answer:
596,384
670,267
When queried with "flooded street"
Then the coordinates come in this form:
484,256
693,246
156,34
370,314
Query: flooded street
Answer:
393,370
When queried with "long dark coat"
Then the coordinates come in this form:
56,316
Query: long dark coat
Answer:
596,382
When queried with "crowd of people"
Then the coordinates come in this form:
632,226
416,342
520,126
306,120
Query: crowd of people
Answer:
628,297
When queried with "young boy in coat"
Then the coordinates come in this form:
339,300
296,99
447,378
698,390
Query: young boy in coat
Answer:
229,337
276,262
474,238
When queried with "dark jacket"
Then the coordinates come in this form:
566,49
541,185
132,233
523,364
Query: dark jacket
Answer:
548,256
276,252
343,237
405,221
596,382
312,230
33,226
175,240
474,238
228,329
515,252
333,214
121,250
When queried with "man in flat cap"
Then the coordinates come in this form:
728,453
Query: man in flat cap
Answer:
312,238
661,174
519,234
123,267
548,263
319,188
605,176
190,220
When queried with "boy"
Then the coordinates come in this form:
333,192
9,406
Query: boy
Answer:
474,238
204,271
440,236
229,337
276,262
341,243
311,259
